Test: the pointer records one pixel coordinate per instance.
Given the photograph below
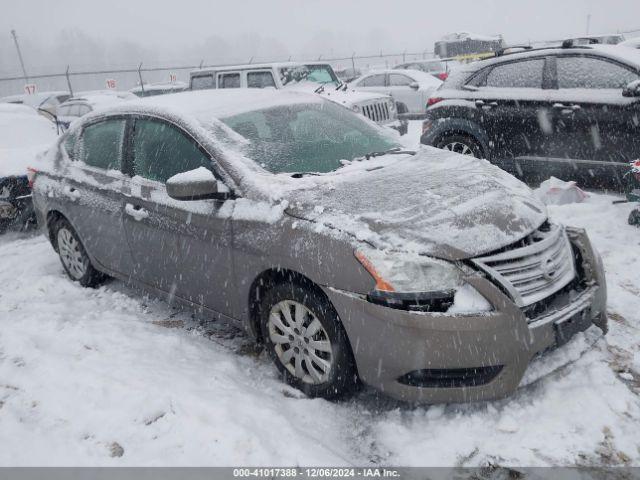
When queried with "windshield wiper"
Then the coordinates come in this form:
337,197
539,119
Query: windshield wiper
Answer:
392,151
302,174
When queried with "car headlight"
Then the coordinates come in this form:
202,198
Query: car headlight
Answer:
392,105
410,281
355,108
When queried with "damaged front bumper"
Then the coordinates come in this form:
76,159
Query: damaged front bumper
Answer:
440,358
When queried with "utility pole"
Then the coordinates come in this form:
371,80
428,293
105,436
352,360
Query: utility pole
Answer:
588,22
24,70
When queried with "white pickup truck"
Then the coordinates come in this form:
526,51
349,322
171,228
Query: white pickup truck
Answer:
311,76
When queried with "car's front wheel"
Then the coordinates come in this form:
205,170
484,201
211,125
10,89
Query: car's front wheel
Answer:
305,339
462,144
73,256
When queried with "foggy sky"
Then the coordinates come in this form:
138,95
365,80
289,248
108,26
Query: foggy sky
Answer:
65,32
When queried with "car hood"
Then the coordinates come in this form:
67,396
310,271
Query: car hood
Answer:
348,97
434,202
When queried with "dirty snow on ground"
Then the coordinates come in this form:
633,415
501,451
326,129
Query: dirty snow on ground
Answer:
111,377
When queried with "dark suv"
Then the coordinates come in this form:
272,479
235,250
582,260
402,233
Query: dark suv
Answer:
571,112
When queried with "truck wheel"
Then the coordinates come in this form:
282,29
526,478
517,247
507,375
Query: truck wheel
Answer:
459,143
307,342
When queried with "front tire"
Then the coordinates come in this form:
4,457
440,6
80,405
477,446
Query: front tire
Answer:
462,144
307,342
73,256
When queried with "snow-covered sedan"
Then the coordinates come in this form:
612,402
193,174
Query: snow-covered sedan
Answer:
429,275
409,88
24,134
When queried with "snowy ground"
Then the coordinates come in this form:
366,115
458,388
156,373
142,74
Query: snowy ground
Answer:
108,377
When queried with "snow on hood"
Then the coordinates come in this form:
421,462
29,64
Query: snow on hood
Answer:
346,97
441,204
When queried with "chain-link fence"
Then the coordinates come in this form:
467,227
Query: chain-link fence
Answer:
128,77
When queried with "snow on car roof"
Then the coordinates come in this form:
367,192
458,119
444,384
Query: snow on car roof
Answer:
207,104
97,98
417,75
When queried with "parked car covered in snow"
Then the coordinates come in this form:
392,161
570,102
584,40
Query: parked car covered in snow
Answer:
438,67
631,43
43,102
85,102
409,88
313,77
23,136
429,275
570,112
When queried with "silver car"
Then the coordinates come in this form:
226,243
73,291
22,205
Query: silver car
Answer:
428,275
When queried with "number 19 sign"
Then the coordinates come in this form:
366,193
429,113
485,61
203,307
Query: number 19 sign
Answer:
111,84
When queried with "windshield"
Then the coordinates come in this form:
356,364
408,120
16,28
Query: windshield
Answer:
321,74
307,137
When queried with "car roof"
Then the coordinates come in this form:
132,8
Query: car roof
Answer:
417,75
626,55
204,105
253,66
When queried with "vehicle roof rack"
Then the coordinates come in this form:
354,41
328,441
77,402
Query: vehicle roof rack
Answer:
504,50
571,42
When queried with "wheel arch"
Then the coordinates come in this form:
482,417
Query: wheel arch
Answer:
267,279
459,127
52,217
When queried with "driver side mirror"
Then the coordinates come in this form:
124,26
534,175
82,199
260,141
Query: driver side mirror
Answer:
414,85
198,184
632,89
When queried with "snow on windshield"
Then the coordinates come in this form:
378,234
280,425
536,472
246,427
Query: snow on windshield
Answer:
307,137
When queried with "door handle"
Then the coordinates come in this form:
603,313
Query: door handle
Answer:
484,105
71,193
566,109
136,212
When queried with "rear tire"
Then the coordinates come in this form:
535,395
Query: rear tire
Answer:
462,144
307,342
73,256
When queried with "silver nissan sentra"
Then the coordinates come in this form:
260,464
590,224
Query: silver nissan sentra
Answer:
428,275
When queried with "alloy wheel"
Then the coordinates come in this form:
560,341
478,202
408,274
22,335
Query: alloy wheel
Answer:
71,254
459,147
300,341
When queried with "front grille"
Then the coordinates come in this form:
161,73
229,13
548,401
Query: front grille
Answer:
538,267
377,111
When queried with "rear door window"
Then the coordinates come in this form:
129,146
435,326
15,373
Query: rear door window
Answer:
229,80
260,80
102,144
524,74
374,81
161,151
589,72
397,80
202,82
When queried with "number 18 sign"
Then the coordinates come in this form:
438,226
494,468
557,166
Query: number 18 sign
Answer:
111,84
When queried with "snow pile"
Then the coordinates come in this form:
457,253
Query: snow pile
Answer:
554,191
23,136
